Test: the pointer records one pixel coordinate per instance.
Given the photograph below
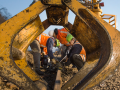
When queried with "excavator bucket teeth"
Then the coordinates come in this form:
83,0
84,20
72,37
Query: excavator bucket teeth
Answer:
99,37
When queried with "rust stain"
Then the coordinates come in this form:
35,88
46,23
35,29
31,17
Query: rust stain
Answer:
1,58
27,10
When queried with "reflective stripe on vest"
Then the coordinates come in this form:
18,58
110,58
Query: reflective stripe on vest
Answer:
43,39
64,32
61,36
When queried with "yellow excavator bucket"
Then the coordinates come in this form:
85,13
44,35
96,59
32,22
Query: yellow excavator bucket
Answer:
99,38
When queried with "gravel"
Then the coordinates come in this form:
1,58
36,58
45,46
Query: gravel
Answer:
111,83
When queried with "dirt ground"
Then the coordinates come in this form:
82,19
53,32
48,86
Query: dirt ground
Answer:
111,83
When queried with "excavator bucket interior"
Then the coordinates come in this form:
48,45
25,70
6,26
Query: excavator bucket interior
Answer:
99,38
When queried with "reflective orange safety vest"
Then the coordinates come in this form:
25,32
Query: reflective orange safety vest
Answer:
43,41
82,53
61,36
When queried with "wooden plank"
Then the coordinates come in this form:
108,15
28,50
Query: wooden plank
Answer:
58,82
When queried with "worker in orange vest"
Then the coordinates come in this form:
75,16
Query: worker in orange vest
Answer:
61,35
47,43
77,54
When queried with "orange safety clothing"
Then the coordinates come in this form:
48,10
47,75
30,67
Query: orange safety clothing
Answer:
43,41
82,53
61,36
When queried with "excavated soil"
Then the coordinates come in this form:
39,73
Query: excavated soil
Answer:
111,83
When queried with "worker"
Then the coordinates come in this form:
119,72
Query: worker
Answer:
61,35
43,41
77,54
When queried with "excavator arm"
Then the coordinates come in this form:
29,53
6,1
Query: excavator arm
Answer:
100,40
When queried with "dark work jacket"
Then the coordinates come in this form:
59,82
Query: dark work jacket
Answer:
49,45
76,49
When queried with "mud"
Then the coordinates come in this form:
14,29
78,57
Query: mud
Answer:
111,83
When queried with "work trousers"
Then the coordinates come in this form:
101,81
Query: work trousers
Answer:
35,46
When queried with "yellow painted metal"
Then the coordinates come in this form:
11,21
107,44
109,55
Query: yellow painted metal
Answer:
29,29
96,9
52,2
108,17
114,59
113,37
87,37
57,14
8,30
81,74
22,41
28,34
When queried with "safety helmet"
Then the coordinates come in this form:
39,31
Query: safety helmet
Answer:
57,42
69,37
50,33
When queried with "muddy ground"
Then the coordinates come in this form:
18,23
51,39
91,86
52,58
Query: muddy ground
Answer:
111,83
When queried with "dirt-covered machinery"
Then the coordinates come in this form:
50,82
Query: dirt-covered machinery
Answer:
99,38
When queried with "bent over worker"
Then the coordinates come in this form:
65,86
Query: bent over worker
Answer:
44,41
61,35
77,54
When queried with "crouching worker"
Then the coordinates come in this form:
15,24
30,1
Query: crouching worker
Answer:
43,41
77,54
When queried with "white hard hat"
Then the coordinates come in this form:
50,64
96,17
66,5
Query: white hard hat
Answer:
50,33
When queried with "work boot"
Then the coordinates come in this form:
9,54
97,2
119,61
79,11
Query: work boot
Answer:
77,61
39,72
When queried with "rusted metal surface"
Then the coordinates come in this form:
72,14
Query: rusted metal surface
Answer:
46,24
85,35
89,65
100,40
68,26
109,42
113,60
8,30
105,42
57,15
94,55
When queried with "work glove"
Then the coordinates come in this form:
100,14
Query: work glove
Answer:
68,50
55,61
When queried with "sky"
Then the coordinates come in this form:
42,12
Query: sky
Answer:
16,6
